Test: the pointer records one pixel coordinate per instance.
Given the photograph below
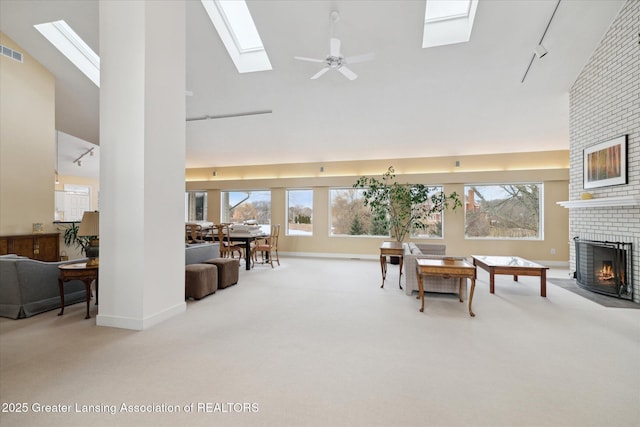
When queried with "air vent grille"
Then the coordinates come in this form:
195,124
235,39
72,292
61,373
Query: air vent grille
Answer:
10,53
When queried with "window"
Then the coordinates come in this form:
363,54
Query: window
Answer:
299,212
236,28
195,203
350,217
432,225
241,206
71,45
503,211
448,22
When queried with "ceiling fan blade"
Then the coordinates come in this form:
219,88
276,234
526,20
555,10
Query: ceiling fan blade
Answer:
360,58
334,47
319,73
348,73
302,58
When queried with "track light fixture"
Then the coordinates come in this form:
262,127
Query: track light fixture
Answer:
89,151
540,50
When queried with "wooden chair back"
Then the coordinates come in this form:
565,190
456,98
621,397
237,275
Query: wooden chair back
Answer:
194,233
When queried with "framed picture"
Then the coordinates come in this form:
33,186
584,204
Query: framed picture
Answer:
606,163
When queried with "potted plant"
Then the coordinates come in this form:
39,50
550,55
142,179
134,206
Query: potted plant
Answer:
71,238
404,207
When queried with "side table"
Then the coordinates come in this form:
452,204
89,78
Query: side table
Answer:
447,267
390,249
78,271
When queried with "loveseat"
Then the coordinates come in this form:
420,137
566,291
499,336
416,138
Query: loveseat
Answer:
413,251
29,287
199,253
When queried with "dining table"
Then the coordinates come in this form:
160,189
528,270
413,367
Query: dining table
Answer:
241,236
246,238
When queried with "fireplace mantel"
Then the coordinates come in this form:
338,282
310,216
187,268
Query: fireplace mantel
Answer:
602,202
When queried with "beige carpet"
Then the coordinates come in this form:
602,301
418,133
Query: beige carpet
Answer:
316,342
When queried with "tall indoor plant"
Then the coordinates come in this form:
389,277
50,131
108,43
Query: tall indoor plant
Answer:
404,206
71,238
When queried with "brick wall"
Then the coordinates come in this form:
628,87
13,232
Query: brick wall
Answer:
604,104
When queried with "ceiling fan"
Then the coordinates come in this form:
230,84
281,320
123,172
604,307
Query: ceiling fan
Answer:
335,60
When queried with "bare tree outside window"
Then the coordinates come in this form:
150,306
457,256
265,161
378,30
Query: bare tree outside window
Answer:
350,216
300,212
241,206
503,211
431,223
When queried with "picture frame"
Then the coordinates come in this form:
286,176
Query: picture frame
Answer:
605,164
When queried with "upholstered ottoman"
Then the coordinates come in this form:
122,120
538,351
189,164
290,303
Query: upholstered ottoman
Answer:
228,271
200,280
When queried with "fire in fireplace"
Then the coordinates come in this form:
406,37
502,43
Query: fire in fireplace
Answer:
604,267
606,273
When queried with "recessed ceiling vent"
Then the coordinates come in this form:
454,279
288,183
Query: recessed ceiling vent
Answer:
10,53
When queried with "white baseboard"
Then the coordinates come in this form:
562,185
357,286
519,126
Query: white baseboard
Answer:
140,324
329,255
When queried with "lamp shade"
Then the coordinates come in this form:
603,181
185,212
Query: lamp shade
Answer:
90,225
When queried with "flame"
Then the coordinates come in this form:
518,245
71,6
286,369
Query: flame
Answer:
606,272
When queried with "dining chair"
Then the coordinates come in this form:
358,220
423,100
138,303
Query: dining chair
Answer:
194,233
227,247
268,246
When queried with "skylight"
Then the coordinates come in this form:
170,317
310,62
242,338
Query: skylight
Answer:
448,21
439,10
239,34
60,34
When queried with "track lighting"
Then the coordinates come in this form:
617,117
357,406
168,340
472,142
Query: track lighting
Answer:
541,51
89,151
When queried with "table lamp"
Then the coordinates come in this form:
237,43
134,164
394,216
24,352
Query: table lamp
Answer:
90,227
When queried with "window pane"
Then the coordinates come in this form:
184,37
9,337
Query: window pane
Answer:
196,206
350,217
300,212
503,211
431,226
241,206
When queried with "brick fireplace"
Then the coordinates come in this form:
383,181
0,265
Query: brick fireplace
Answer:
603,104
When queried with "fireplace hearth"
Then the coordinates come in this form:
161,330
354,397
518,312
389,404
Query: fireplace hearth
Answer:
604,267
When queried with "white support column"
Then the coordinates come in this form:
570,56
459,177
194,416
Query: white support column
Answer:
142,162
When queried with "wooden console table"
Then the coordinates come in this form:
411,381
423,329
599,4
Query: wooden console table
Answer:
446,268
79,271
40,246
390,249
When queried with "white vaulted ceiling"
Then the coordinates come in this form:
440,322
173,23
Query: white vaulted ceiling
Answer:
409,102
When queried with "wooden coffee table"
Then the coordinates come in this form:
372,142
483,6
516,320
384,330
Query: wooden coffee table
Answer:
78,271
446,268
511,265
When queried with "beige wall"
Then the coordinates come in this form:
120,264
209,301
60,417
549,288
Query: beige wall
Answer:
27,143
551,168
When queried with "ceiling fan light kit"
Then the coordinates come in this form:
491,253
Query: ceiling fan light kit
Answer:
335,60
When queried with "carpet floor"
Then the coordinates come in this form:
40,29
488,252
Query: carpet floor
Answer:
317,342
